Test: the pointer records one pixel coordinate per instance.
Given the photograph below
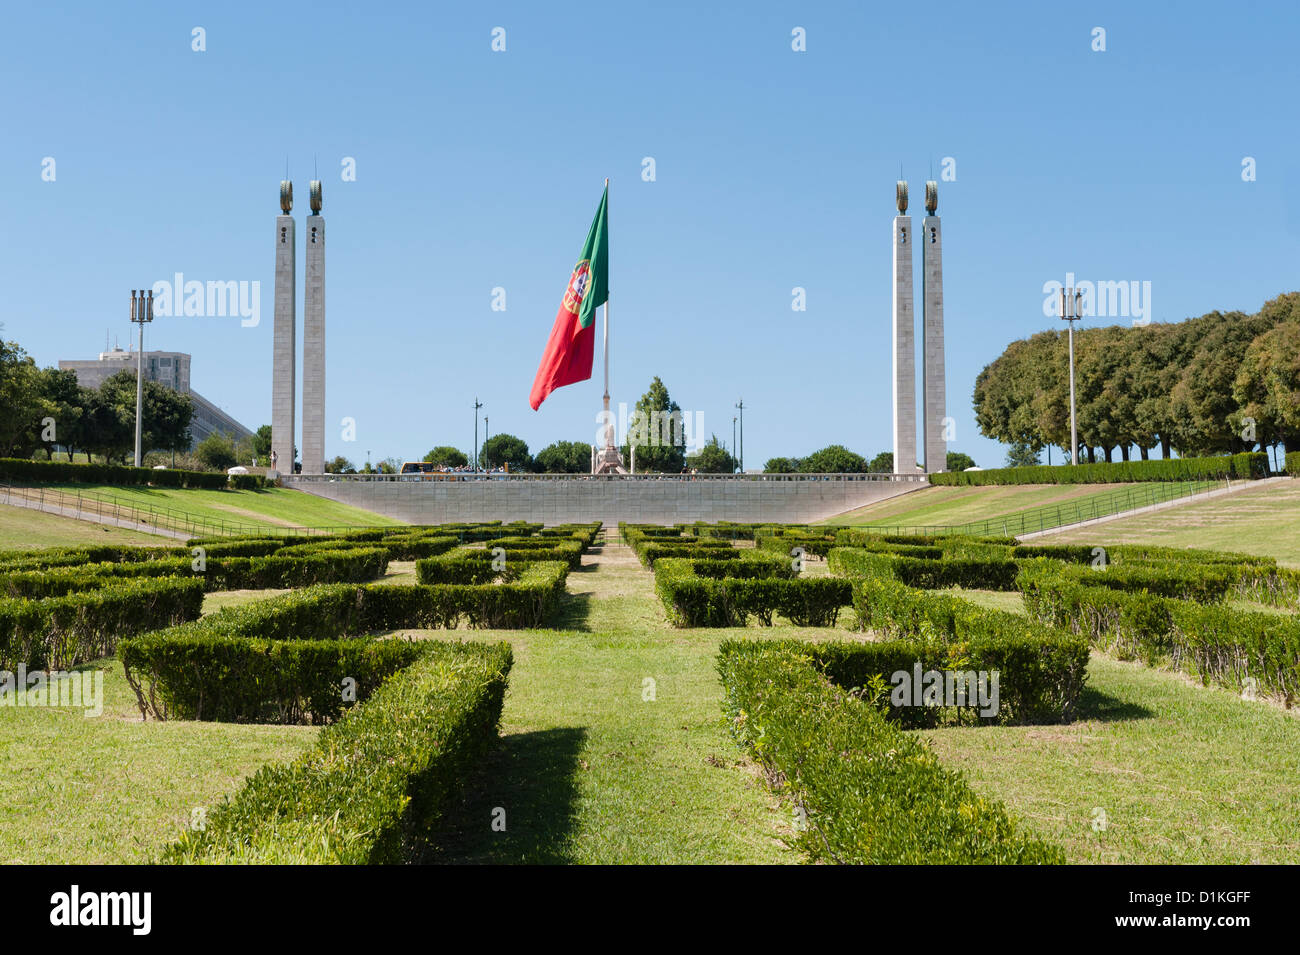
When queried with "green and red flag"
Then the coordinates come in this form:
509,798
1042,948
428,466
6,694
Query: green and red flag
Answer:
570,348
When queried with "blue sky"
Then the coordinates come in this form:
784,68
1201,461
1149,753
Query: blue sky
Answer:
478,169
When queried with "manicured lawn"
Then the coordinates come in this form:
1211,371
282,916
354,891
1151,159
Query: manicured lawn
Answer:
272,507
112,789
1183,774
25,529
1264,520
1011,509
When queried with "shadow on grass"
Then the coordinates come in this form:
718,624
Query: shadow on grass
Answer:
531,776
574,613
1104,708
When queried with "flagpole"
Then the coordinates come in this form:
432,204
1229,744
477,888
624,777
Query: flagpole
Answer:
609,426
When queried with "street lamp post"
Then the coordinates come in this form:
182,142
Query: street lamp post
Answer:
733,443
477,404
141,312
741,405
1071,311
487,433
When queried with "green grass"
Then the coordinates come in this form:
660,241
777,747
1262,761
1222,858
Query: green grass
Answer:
25,529
272,507
1263,520
112,789
588,771
1184,774
1011,509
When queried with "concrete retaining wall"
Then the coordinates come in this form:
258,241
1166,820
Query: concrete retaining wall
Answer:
639,499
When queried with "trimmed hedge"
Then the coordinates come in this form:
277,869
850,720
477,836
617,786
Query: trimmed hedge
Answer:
1219,644
1203,583
697,601
60,632
872,794
818,545
57,472
1042,672
377,783
1293,463
924,573
200,674
1242,466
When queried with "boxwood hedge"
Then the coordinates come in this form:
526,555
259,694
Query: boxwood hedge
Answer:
871,794
377,784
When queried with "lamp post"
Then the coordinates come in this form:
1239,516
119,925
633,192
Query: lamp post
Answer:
141,312
477,404
1071,311
487,433
733,443
741,405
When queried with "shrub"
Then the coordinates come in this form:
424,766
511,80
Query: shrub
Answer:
377,782
871,793
50,472
61,632
710,601
1180,469
924,573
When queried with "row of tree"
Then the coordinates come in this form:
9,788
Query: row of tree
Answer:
1220,383
43,407
837,459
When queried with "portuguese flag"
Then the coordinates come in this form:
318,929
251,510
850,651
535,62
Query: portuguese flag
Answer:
570,348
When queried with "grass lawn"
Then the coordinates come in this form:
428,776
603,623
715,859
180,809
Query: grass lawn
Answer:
1264,520
24,529
113,789
1020,507
591,769
272,507
1183,774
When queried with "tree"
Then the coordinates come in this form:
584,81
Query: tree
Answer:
216,451
564,457
658,432
882,463
167,415
21,404
445,456
712,459
340,465
262,444
781,466
505,449
957,461
1022,455
389,466
834,459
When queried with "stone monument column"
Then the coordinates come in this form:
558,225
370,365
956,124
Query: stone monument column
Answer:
313,341
284,344
932,372
904,340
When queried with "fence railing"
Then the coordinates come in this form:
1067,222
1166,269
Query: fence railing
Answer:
1051,516
150,518
456,476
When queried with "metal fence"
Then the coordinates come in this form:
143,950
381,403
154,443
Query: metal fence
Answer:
149,518
456,476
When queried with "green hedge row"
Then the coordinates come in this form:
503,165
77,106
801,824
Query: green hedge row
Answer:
187,670
1219,644
58,472
351,565
1042,672
1242,466
1209,583
692,600
1293,463
200,673
651,553
377,783
61,632
924,573
871,793
818,545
